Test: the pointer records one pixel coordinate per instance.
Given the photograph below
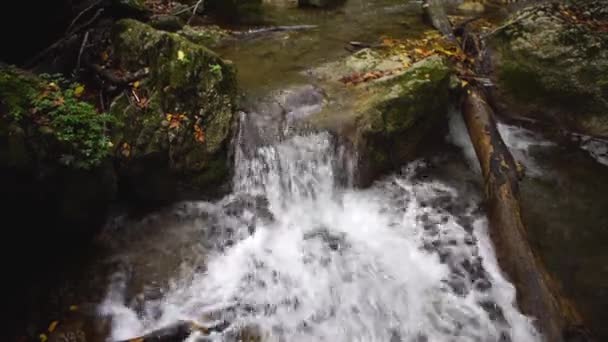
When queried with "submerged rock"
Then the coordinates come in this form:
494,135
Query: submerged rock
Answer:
384,119
236,11
177,130
552,64
321,3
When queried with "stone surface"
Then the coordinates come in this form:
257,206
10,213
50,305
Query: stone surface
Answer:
384,119
180,136
554,69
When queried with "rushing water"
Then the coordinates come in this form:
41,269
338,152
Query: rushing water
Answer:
296,254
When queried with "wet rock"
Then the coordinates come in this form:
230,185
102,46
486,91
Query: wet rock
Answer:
191,88
553,68
136,8
236,11
386,118
166,22
80,325
321,3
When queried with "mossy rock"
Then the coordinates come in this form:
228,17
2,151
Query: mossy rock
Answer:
385,120
553,70
182,131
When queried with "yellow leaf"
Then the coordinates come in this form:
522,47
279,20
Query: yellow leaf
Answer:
463,83
43,337
181,55
136,84
79,90
53,326
75,307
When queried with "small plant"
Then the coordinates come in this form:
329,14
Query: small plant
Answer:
216,70
54,104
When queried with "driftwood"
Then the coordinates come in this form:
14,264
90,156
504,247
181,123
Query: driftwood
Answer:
537,293
272,29
178,332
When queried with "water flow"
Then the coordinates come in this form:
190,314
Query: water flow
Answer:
309,259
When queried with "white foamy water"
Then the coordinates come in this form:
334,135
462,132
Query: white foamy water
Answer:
520,142
595,147
304,258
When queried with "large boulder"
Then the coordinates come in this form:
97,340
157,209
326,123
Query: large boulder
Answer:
178,121
386,117
551,63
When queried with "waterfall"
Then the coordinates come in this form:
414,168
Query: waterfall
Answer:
295,253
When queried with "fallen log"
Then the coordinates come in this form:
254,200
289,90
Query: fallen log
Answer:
537,293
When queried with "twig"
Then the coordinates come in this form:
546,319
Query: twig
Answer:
61,41
92,20
82,46
194,11
112,78
502,27
101,100
81,14
274,29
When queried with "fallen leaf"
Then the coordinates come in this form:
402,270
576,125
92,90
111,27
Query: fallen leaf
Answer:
43,337
199,134
79,90
126,150
181,55
53,326
59,101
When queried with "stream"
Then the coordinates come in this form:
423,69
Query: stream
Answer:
296,252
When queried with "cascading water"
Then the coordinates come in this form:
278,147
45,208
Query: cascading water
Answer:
296,254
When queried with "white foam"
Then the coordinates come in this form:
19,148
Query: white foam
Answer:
330,264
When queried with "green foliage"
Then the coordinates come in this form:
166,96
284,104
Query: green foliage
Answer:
216,70
52,105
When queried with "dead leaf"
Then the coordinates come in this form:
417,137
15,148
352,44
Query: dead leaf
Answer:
125,150
199,134
53,326
59,101
79,90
